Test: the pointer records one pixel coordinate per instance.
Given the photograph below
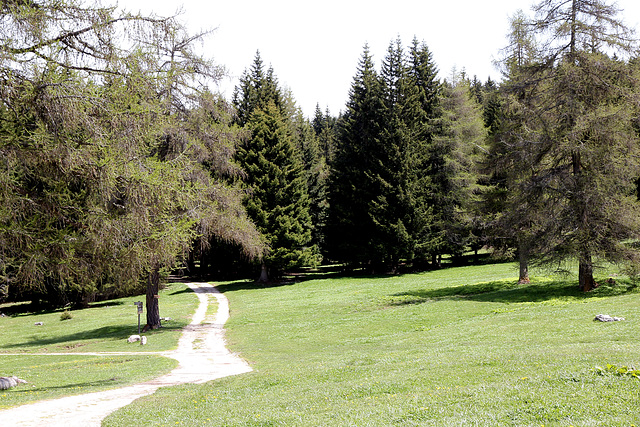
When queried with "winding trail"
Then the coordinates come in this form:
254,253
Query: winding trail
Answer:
202,357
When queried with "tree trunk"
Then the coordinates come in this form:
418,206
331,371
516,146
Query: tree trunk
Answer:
264,275
523,257
585,274
153,309
435,261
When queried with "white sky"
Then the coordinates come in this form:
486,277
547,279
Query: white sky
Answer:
314,47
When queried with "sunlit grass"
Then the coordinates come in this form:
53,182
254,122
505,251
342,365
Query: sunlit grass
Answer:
103,328
55,376
463,346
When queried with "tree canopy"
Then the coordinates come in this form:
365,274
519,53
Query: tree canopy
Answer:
118,163
112,150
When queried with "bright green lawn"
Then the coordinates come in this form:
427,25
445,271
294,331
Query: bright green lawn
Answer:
104,327
463,346
56,376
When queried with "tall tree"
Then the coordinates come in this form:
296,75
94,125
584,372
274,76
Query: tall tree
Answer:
454,158
401,209
350,227
424,76
580,132
104,180
379,204
257,88
278,202
516,220
316,172
278,199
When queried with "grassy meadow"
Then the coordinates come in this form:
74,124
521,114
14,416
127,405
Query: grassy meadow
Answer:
463,346
104,327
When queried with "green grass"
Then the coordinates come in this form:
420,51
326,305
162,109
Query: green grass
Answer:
456,347
56,376
104,327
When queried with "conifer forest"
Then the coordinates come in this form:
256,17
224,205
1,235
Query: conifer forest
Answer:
118,164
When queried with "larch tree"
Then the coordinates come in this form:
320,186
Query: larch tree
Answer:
580,110
107,128
454,157
517,220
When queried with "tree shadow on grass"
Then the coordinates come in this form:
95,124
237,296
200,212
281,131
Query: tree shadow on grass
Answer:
511,292
295,278
103,333
182,291
72,386
103,304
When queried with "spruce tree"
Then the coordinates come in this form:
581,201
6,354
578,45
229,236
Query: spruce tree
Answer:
257,88
401,209
278,200
350,228
379,200
316,172
424,76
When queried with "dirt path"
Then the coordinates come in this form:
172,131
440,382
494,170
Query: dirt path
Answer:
201,354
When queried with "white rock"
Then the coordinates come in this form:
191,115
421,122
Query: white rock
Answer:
8,382
607,318
133,338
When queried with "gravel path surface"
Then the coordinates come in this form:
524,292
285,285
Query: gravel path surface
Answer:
202,357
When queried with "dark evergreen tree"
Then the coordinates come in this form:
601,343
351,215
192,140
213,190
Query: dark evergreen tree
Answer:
325,127
257,88
379,200
316,172
272,157
350,229
401,211
424,75
278,202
